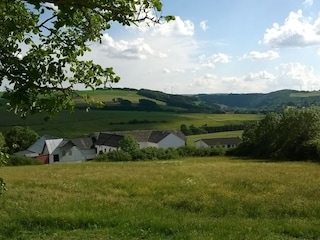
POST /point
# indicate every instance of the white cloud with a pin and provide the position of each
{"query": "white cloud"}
(166, 70)
(297, 31)
(211, 61)
(255, 55)
(261, 75)
(204, 25)
(210, 83)
(178, 27)
(295, 75)
(308, 2)
(134, 49)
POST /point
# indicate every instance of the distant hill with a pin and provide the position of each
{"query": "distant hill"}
(150, 100)
(273, 101)
(212, 103)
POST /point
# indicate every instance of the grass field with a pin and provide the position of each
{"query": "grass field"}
(206, 198)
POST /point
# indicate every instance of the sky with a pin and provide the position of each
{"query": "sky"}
(218, 46)
(221, 46)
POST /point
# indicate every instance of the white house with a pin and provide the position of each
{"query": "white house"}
(229, 142)
(60, 150)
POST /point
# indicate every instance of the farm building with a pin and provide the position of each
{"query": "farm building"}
(48, 149)
(107, 142)
(229, 142)
(146, 138)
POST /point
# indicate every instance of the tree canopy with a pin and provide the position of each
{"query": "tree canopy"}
(294, 135)
(19, 138)
(42, 42)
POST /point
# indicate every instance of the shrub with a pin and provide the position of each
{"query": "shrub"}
(15, 160)
(218, 151)
(185, 151)
(101, 158)
(172, 153)
(118, 156)
(150, 153)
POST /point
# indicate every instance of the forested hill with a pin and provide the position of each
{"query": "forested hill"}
(274, 101)
(259, 101)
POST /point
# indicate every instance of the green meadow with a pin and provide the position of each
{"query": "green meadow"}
(194, 198)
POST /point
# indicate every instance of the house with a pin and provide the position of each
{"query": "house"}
(107, 142)
(48, 149)
(146, 138)
(60, 150)
(228, 142)
(35, 150)
(86, 146)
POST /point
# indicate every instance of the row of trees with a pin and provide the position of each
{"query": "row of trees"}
(293, 134)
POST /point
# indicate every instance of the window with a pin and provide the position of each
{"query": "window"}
(56, 157)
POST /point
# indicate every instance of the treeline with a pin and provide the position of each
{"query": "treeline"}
(293, 135)
(193, 130)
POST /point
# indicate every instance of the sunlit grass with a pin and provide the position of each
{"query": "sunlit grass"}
(200, 198)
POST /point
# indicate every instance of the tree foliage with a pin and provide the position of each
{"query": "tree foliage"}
(42, 42)
(129, 144)
(294, 134)
(20, 138)
(3, 158)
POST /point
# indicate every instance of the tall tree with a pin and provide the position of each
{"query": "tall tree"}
(42, 41)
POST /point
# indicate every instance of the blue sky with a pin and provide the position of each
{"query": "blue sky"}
(218, 46)
(225, 46)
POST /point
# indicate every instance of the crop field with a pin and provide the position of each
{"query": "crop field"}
(81, 123)
(194, 198)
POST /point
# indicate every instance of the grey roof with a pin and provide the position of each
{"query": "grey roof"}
(109, 139)
(221, 141)
(65, 142)
(37, 147)
(153, 136)
(83, 143)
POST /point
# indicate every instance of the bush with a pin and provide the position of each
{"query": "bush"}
(15, 160)
(119, 156)
(101, 158)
